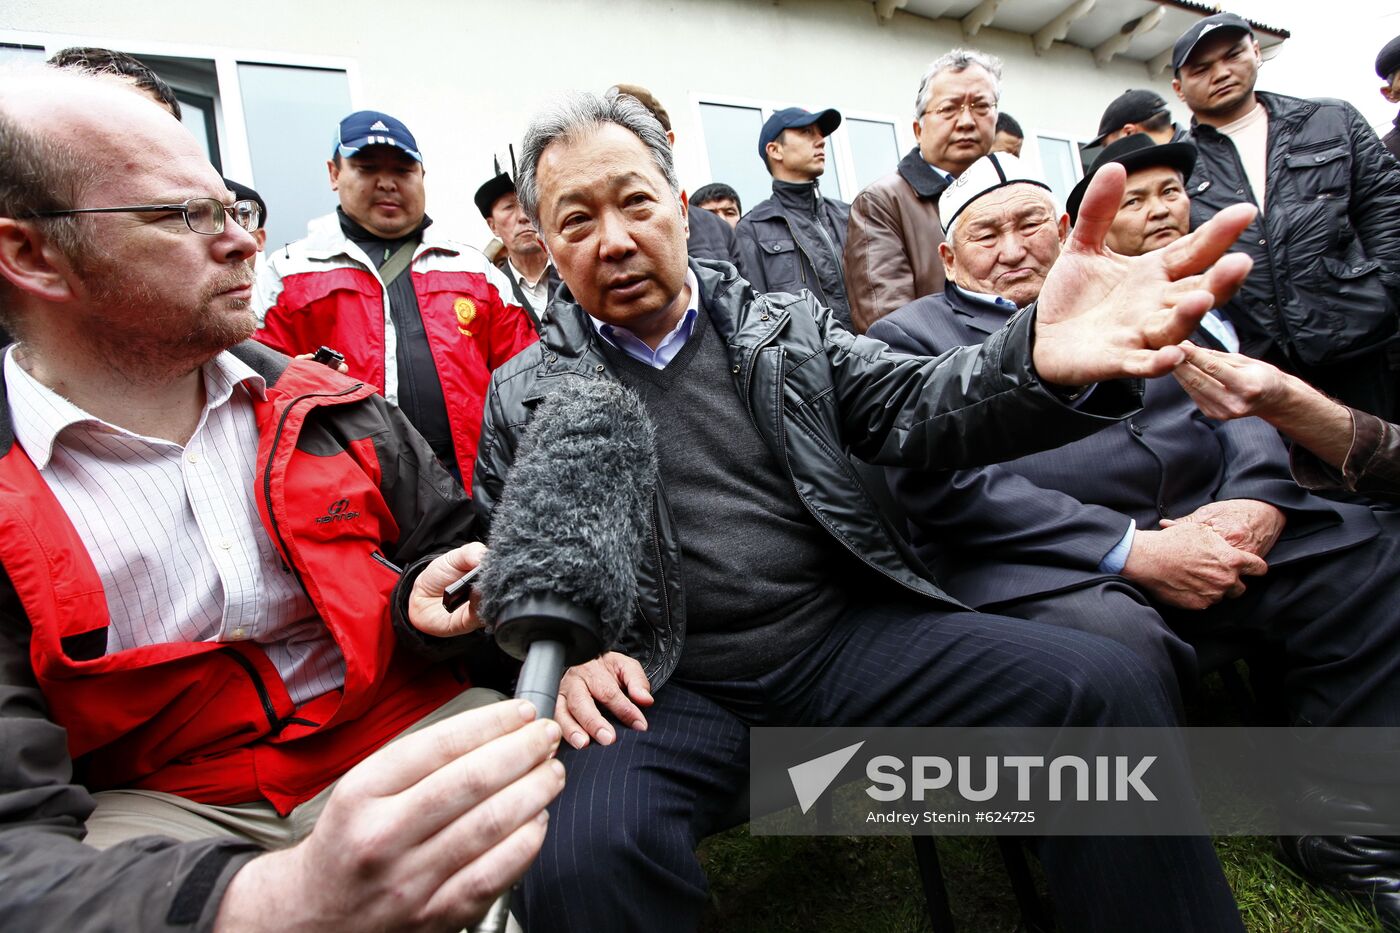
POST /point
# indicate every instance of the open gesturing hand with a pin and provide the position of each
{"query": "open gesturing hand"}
(1105, 316)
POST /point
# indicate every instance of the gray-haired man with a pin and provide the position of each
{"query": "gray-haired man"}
(892, 244)
(798, 607)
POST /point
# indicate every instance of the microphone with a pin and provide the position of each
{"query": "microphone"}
(559, 581)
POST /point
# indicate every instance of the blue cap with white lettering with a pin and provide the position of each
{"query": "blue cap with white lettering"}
(372, 128)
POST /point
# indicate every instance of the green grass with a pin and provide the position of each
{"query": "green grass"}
(787, 884)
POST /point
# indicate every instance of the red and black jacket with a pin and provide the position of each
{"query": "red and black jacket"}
(213, 721)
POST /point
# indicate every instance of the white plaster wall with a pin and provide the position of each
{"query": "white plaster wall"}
(465, 74)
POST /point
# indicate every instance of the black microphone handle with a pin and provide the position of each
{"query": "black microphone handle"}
(540, 674)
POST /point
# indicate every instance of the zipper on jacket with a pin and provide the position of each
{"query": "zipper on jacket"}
(821, 228)
(267, 476)
(758, 348)
(1279, 314)
(816, 279)
(660, 564)
(264, 697)
(816, 516)
(379, 558)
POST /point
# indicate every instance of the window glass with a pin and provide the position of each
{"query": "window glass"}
(874, 150)
(197, 113)
(731, 138)
(11, 54)
(1057, 158)
(291, 115)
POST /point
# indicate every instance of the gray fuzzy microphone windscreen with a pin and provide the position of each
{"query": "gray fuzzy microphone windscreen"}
(576, 506)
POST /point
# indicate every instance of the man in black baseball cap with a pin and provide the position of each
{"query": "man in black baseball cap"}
(1323, 299)
(1388, 69)
(795, 118)
(1137, 111)
(1221, 24)
(796, 239)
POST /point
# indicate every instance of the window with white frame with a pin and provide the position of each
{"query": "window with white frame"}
(731, 140)
(16, 53)
(264, 119)
(1059, 162)
(865, 147)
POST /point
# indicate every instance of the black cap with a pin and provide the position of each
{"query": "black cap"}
(794, 118)
(1202, 28)
(1134, 152)
(1388, 62)
(491, 192)
(1133, 106)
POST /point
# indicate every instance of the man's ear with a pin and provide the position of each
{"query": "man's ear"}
(774, 151)
(1064, 228)
(334, 171)
(918, 129)
(1176, 86)
(685, 212)
(950, 264)
(1391, 92)
(32, 264)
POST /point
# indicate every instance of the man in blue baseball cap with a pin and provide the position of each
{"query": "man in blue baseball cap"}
(795, 239)
(420, 314)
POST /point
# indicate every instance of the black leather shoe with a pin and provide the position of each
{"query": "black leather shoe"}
(1364, 866)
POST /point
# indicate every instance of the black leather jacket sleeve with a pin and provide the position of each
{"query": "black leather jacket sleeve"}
(967, 407)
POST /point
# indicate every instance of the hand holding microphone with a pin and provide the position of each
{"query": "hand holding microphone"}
(559, 584)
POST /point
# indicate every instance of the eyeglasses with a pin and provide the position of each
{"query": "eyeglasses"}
(202, 215)
(951, 111)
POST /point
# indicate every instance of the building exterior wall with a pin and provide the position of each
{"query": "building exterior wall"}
(465, 75)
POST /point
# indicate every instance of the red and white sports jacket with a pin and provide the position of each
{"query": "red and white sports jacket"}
(324, 290)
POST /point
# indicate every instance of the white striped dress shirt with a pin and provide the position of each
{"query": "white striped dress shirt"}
(174, 531)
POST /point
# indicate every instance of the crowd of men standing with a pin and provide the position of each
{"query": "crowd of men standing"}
(946, 455)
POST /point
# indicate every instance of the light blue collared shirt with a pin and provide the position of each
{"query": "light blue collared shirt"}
(670, 345)
(1003, 303)
(946, 176)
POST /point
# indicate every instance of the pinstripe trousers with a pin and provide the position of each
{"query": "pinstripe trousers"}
(620, 853)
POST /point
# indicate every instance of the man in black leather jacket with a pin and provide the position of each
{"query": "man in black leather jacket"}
(771, 591)
(1323, 300)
